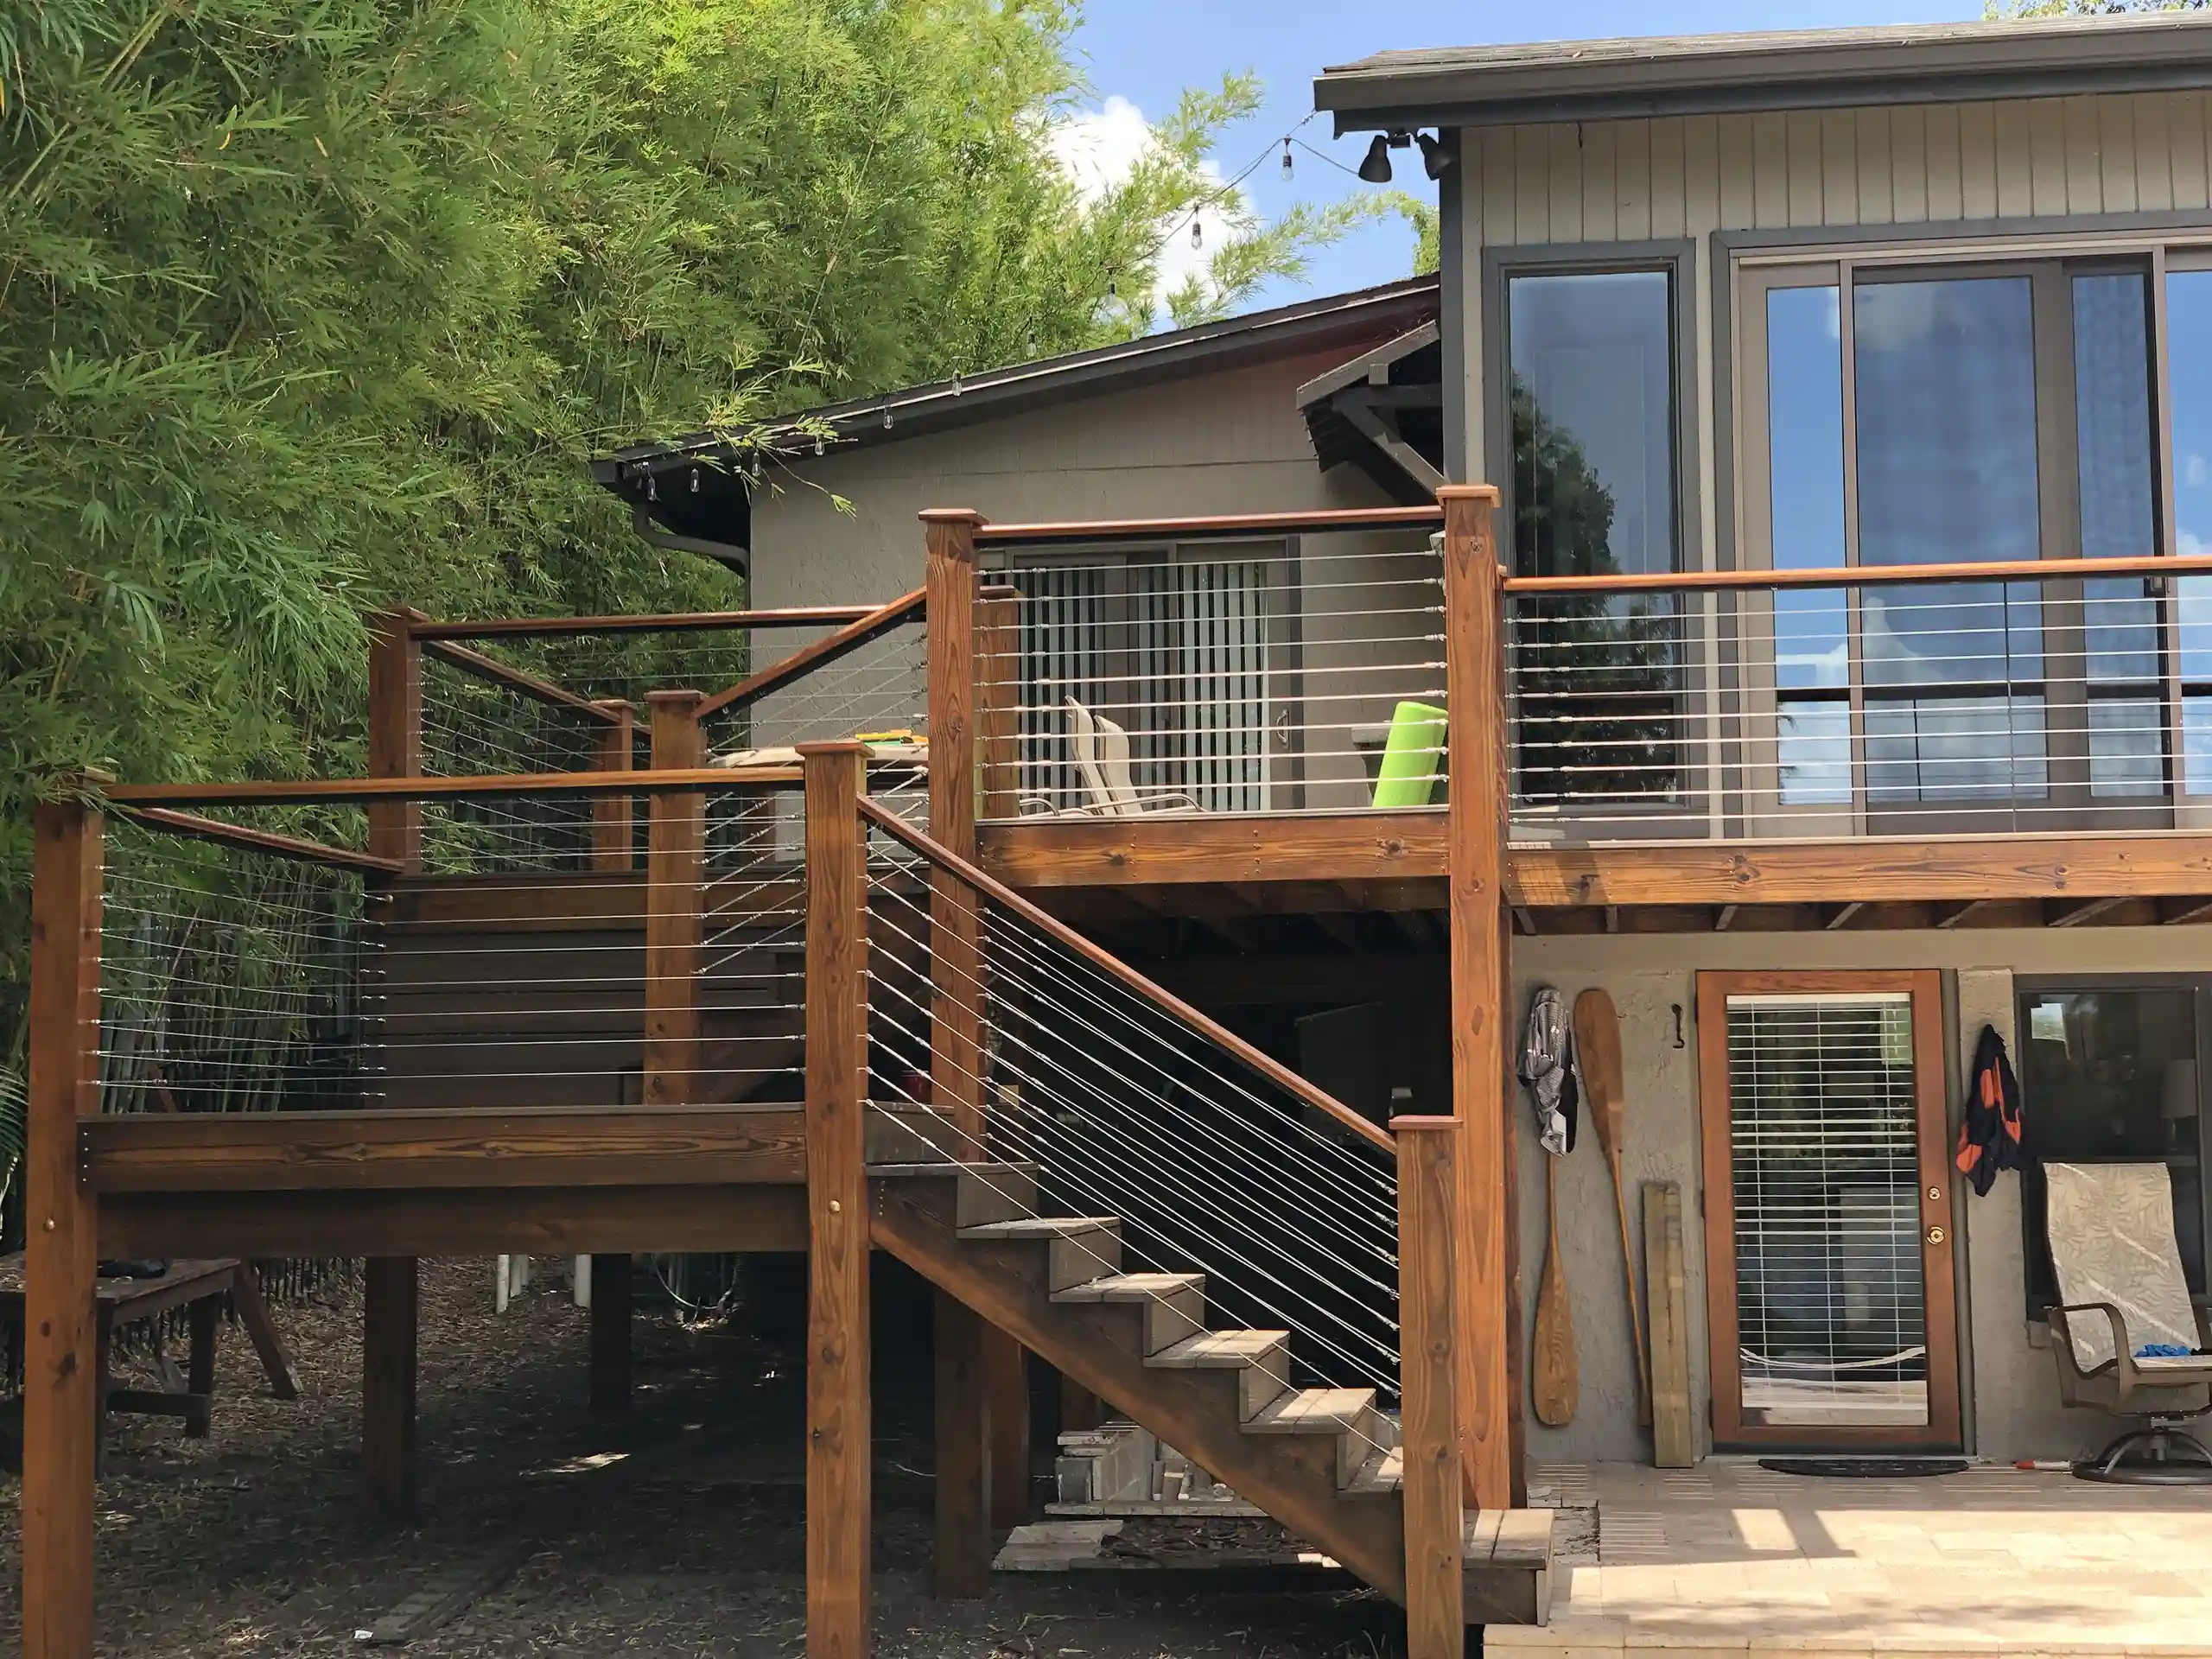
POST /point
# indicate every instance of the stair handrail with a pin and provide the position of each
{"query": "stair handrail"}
(819, 654)
(1215, 1032)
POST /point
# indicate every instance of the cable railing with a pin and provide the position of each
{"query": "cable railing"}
(1127, 1102)
(1210, 668)
(245, 970)
(1909, 701)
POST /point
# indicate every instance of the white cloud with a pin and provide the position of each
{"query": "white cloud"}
(1099, 148)
(2194, 472)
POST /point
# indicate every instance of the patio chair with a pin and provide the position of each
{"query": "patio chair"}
(2121, 1291)
(1102, 757)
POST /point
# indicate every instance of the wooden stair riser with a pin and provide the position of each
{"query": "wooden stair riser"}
(1170, 1314)
(1199, 1411)
(988, 1193)
(1260, 1381)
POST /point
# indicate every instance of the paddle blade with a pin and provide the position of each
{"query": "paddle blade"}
(1597, 1056)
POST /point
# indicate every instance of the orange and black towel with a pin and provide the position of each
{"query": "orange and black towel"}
(1990, 1138)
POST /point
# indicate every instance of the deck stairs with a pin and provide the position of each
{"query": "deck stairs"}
(1323, 1461)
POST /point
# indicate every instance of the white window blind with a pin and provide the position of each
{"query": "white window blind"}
(1824, 1153)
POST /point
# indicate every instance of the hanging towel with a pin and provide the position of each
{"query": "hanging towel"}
(1990, 1137)
(1547, 1071)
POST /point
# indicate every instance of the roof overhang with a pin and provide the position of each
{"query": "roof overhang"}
(1579, 80)
(693, 491)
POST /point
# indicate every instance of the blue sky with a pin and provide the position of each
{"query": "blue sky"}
(1147, 51)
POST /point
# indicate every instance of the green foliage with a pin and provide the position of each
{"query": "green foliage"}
(2000, 10)
(306, 308)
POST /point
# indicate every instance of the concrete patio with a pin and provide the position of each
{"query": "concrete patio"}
(1731, 1559)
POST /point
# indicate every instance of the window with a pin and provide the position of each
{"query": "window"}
(1592, 402)
(2110, 1073)
(1956, 415)
(2189, 342)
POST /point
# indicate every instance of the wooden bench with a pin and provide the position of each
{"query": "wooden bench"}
(197, 1286)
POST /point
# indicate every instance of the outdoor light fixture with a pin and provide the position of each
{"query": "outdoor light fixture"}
(1435, 157)
(1376, 168)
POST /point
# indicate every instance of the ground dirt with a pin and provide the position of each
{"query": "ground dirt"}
(677, 1529)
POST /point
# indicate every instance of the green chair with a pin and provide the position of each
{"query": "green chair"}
(1413, 757)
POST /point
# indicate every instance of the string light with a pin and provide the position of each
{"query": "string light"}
(1286, 169)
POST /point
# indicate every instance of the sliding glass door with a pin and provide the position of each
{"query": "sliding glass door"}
(1958, 415)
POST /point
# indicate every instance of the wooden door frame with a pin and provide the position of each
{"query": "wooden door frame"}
(1942, 1431)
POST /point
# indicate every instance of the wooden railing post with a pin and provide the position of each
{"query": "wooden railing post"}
(1489, 1298)
(838, 1448)
(61, 1361)
(395, 732)
(1428, 1364)
(676, 836)
(613, 833)
(956, 984)
(998, 672)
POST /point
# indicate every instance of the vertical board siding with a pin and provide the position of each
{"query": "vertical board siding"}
(1674, 175)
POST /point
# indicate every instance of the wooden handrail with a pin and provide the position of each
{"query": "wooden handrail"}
(295, 791)
(1215, 528)
(797, 616)
(264, 841)
(855, 634)
(1273, 1069)
(1862, 575)
(515, 679)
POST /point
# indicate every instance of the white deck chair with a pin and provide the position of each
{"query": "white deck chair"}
(1101, 758)
(2122, 1288)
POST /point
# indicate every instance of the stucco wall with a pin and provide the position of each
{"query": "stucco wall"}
(2013, 1409)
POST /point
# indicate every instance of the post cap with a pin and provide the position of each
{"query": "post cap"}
(675, 697)
(1423, 1125)
(1467, 492)
(831, 746)
(951, 516)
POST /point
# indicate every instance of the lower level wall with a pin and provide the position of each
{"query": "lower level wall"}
(2009, 1376)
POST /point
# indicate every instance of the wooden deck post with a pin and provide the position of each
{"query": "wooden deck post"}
(390, 1297)
(1481, 993)
(61, 1405)
(957, 1023)
(1436, 1624)
(610, 1332)
(675, 838)
(613, 838)
(395, 732)
(838, 1445)
(998, 700)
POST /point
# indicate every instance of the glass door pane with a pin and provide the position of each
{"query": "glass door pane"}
(1947, 457)
(1824, 1140)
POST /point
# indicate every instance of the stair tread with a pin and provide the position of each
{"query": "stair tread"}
(1221, 1348)
(1313, 1411)
(1381, 1476)
(1044, 1227)
(940, 1167)
(1131, 1287)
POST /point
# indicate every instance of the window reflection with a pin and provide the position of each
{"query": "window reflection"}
(1805, 464)
(2189, 348)
(1592, 409)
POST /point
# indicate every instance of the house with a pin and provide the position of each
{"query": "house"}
(1783, 518)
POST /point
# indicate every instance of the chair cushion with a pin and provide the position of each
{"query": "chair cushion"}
(2111, 1228)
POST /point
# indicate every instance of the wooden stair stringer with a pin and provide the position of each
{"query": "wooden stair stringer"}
(1292, 1478)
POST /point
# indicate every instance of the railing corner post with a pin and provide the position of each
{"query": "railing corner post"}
(1474, 766)
(1428, 1382)
(675, 854)
(61, 1357)
(838, 1441)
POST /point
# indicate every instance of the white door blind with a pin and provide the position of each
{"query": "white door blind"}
(1198, 638)
(1824, 1153)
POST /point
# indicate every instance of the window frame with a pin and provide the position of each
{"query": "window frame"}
(1699, 810)
(1747, 267)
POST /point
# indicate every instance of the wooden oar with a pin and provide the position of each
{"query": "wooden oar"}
(1597, 1056)
(1555, 1379)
